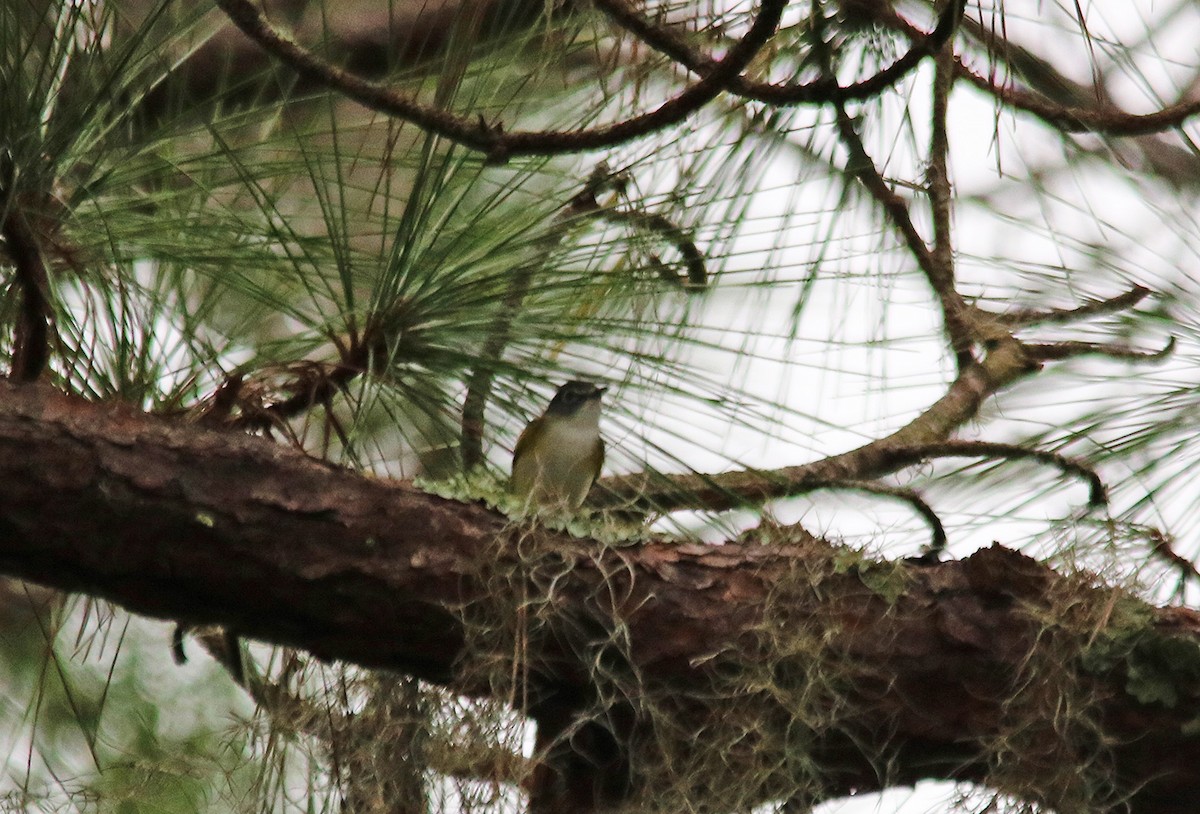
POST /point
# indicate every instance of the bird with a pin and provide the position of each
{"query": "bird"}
(559, 454)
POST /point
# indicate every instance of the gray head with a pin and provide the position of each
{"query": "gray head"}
(572, 396)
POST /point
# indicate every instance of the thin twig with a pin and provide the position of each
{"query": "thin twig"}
(888, 455)
(1163, 546)
(939, 191)
(907, 456)
(1108, 121)
(327, 723)
(1053, 351)
(825, 89)
(311, 384)
(218, 408)
(1007, 360)
(1024, 317)
(1074, 117)
(958, 327)
(482, 376)
(493, 140)
(262, 406)
(224, 648)
(697, 273)
(937, 540)
(938, 173)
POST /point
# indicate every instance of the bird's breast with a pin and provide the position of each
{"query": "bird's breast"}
(559, 469)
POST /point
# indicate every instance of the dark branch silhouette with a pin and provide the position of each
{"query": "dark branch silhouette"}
(495, 140)
(31, 340)
(824, 90)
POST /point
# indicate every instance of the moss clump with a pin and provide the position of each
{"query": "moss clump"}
(1159, 667)
(610, 528)
(1162, 669)
(886, 579)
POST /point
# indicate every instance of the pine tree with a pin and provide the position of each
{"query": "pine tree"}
(895, 310)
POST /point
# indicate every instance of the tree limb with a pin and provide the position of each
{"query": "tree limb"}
(931, 665)
(825, 89)
(1024, 317)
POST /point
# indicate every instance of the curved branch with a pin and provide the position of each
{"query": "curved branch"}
(668, 41)
(937, 539)
(1097, 494)
(1003, 365)
(1007, 360)
(693, 258)
(1163, 546)
(1068, 118)
(883, 457)
(492, 140)
(1025, 317)
(1107, 120)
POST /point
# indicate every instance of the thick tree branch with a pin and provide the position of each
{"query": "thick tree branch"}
(174, 520)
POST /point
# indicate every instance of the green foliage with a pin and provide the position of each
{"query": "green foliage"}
(1158, 666)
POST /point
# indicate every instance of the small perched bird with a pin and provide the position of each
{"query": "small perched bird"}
(559, 455)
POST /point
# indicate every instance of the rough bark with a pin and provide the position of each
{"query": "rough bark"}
(955, 670)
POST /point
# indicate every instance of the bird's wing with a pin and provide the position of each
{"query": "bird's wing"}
(600, 456)
(524, 472)
(524, 439)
